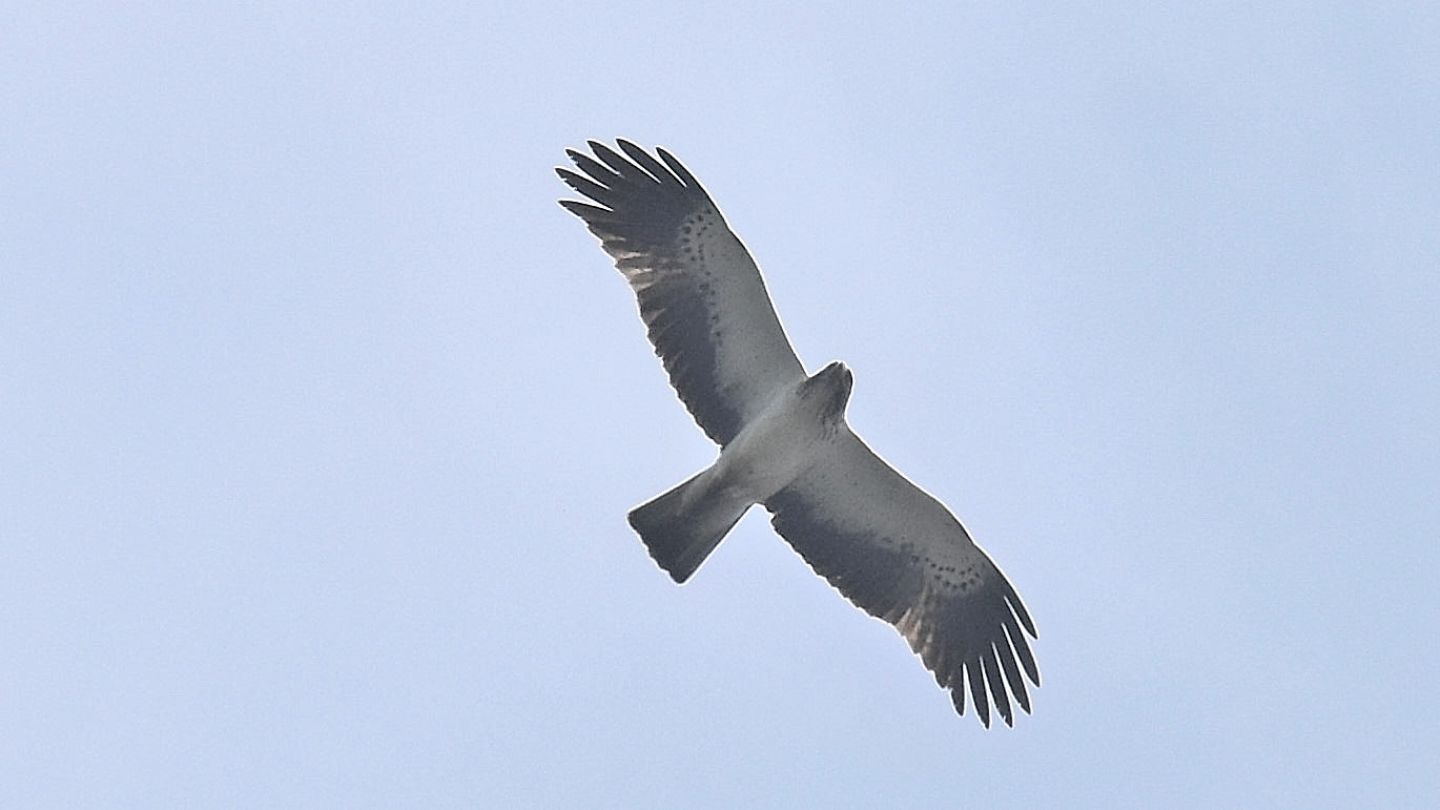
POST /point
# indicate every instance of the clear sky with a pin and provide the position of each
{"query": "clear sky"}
(319, 420)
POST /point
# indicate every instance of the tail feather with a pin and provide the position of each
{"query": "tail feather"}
(682, 527)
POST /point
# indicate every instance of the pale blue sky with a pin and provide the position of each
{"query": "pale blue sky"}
(319, 420)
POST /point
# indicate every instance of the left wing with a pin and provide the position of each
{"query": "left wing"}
(898, 554)
(700, 293)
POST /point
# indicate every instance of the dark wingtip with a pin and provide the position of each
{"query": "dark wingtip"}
(977, 689)
(998, 696)
(677, 167)
(1024, 616)
(599, 148)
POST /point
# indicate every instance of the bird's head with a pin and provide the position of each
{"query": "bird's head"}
(831, 385)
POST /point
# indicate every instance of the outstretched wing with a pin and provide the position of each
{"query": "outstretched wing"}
(700, 293)
(899, 554)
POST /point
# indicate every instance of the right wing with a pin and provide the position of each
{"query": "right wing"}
(701, 295)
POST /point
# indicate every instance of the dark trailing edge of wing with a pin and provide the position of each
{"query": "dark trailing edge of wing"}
(643, 204)
(970, 637)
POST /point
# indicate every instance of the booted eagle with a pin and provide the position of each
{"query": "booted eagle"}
(889, 547)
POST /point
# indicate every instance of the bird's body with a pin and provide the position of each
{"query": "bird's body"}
(888, 546)
(787, 436)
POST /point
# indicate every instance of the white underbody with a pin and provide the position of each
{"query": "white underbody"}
(781, 442)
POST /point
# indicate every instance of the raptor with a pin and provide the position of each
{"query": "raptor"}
(884, 543)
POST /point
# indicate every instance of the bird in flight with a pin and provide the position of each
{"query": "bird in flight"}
(887, 545)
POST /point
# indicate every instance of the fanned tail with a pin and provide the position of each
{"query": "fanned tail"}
(682, 527)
